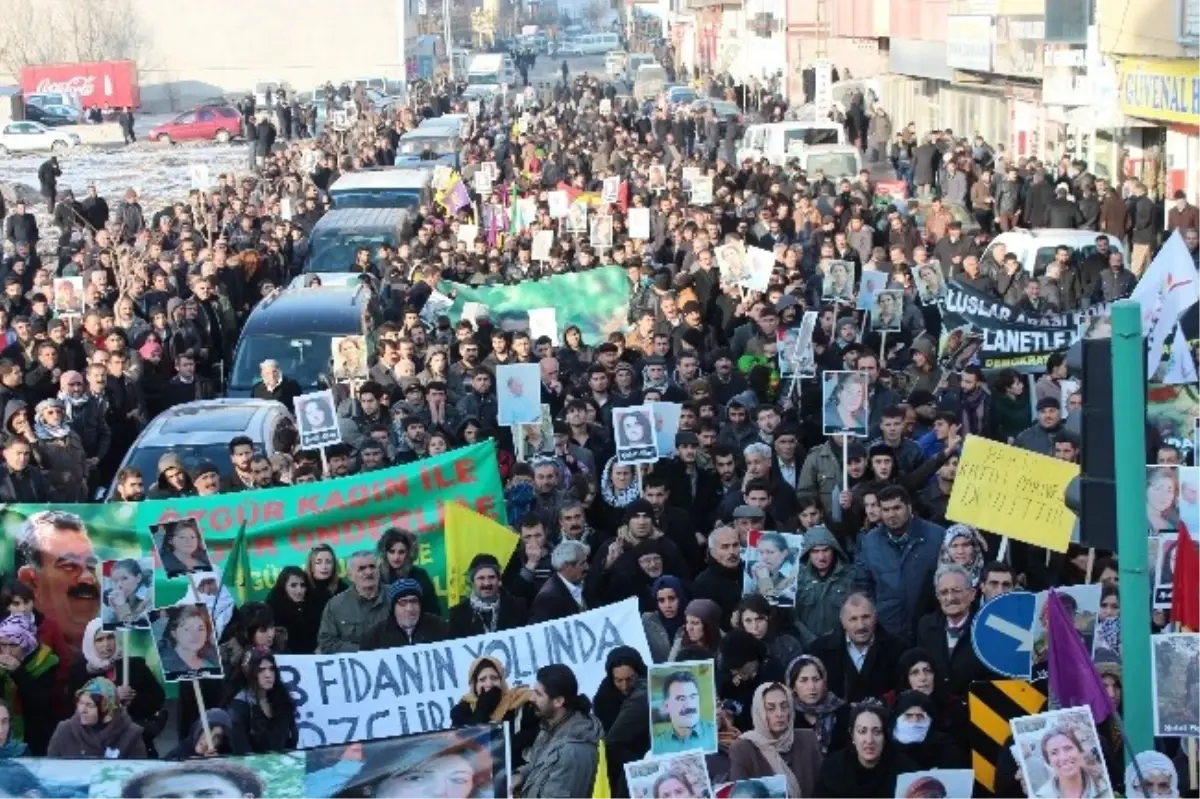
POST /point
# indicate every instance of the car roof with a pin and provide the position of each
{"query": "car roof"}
(355, 219)
(1053, 236)
(831, 149)
(383, 179)
(429, 133)
(319, 309)
(209, 422)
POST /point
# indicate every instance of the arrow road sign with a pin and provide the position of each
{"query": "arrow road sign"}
(1001, 634)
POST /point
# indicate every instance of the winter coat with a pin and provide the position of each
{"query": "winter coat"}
(722, 585)
(1113, 214)
(150, 697)
(465, 622)
(29, 486)
(819, 598)
(1010, 415)
(746, 760)
(64, 464)
(87, 419)
(821, 474)
(899, 578)
(73, 740)
(386, 634)
(842, 775)
(255, 731)
(563, 761)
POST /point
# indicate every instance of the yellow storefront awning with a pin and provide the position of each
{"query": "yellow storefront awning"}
(1161, 89)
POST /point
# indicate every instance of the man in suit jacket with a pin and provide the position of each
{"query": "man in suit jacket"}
(946, 633)
(562, 595)
(860, 659)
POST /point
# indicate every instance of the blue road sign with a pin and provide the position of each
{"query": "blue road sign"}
(1001, 634)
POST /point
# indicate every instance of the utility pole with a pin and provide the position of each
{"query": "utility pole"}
(449, 40)
(1129, 449)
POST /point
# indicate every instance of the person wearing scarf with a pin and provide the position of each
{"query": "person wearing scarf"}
(661, 629)
(28, 678)
(774, 745)
(490, 700)
(622, 704)
(1162, 780)
(917, 734)
(618, 573)
(615, 494)
(817, 708)
(141, 695)
(488, 608)
(971, 557)
(52, 427)
(59, 450)
(100, 728)
(397, 549)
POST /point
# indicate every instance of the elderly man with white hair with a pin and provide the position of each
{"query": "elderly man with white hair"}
(275, 385)
(762, 471)
(562, 595)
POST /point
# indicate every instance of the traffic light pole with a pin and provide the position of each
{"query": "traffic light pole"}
(1129, 443)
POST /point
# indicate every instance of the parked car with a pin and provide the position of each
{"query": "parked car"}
(219, 123)
(34, 137)
(726, 112)
(200, 431)
(52, 116)
(1035, 248)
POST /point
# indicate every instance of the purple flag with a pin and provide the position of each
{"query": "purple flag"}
(1073, 677)
(459, 198)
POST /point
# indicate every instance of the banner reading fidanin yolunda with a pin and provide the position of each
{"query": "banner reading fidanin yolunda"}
(363, 695)
(1011, 491)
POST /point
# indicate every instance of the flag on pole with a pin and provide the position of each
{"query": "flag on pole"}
(515, 222)
(1185, 598)
(1181, 369)
(1074, 680)
(1165, 291)
(235, 574)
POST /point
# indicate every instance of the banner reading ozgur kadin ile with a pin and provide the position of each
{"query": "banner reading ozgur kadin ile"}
(362, 695)
(413, 766)
(979, 328)
(282, 525)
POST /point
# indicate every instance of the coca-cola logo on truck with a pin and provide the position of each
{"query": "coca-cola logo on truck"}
(83, 85)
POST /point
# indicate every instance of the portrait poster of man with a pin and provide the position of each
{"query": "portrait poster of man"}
(180, 547)
(543, 241)
(577, 218)
(638, 220)
(772, 565)
(1060, 753)
(656, 178)
(633, 430)
(837, 281)
(611, 189)
(464, 762)
(316, 420)
(941, 782)
(55, 557)
(731, 260)
(1176, 682)
(127, 589)
(186, 642)
(349, 357)
(601, 235)
(689, 177)
(519, 394)
(760, 264)
(931, 283)
(558, 204)
(845, 403)
(702, 190)
(887, 310)
(683, 707)
(666, 425)
(672, 777)
(68, 296)
(870, 284)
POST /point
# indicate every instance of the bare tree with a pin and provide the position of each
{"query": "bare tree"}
(47, 31)
(594, 13)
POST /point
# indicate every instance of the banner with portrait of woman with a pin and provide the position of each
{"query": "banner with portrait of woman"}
(633, 430)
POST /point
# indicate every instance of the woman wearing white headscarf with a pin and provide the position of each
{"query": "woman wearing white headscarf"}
(60, 452)
(775, 746)
(964, 546)
(1159, 772)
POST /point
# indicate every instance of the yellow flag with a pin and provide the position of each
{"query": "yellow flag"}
(469, 534)
(601, 789)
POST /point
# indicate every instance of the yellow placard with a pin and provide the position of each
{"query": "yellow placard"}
(1013, 492)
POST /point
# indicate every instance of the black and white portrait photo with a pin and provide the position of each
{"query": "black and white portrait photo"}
(316, 419)
(633, 430)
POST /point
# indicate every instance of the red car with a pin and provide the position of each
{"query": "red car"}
(206, 122)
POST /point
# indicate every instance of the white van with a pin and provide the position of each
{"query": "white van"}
(636, 61)
(779, 141)
(614, 64)
(596, 43)
(834, 161)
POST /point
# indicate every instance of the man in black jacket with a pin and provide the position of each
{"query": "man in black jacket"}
(860, 659)
(562, 594)
(48, 174)
(95, 209)
(21, 225)
(1143, 228)
(722, 580)
(946, 633)
(274, 386)
(488, 608)
(20, 481)
(1037, 201)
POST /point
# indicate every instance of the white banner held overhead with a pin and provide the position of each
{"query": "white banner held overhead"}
(358, 696)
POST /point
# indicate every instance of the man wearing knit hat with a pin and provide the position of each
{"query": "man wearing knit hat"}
(407, 624)
(488, 608)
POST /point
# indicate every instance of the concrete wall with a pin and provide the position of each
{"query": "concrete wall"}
(192, 52)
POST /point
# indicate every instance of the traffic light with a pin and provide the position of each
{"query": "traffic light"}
(1093, 494)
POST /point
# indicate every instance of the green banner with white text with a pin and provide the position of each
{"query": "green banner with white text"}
(56, 550)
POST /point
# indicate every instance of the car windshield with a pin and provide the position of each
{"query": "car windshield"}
(807, 137)
(337, 254)
(304, 358)
(417, 145)
(145, 459)
(834, 165)
(483, 78)
(376, 198)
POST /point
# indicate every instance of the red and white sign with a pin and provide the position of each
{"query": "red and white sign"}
(98, 83)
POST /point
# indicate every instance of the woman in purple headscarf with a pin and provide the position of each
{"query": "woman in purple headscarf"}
(28, 683)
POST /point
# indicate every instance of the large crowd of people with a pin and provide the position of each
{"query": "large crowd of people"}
(862, 678)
